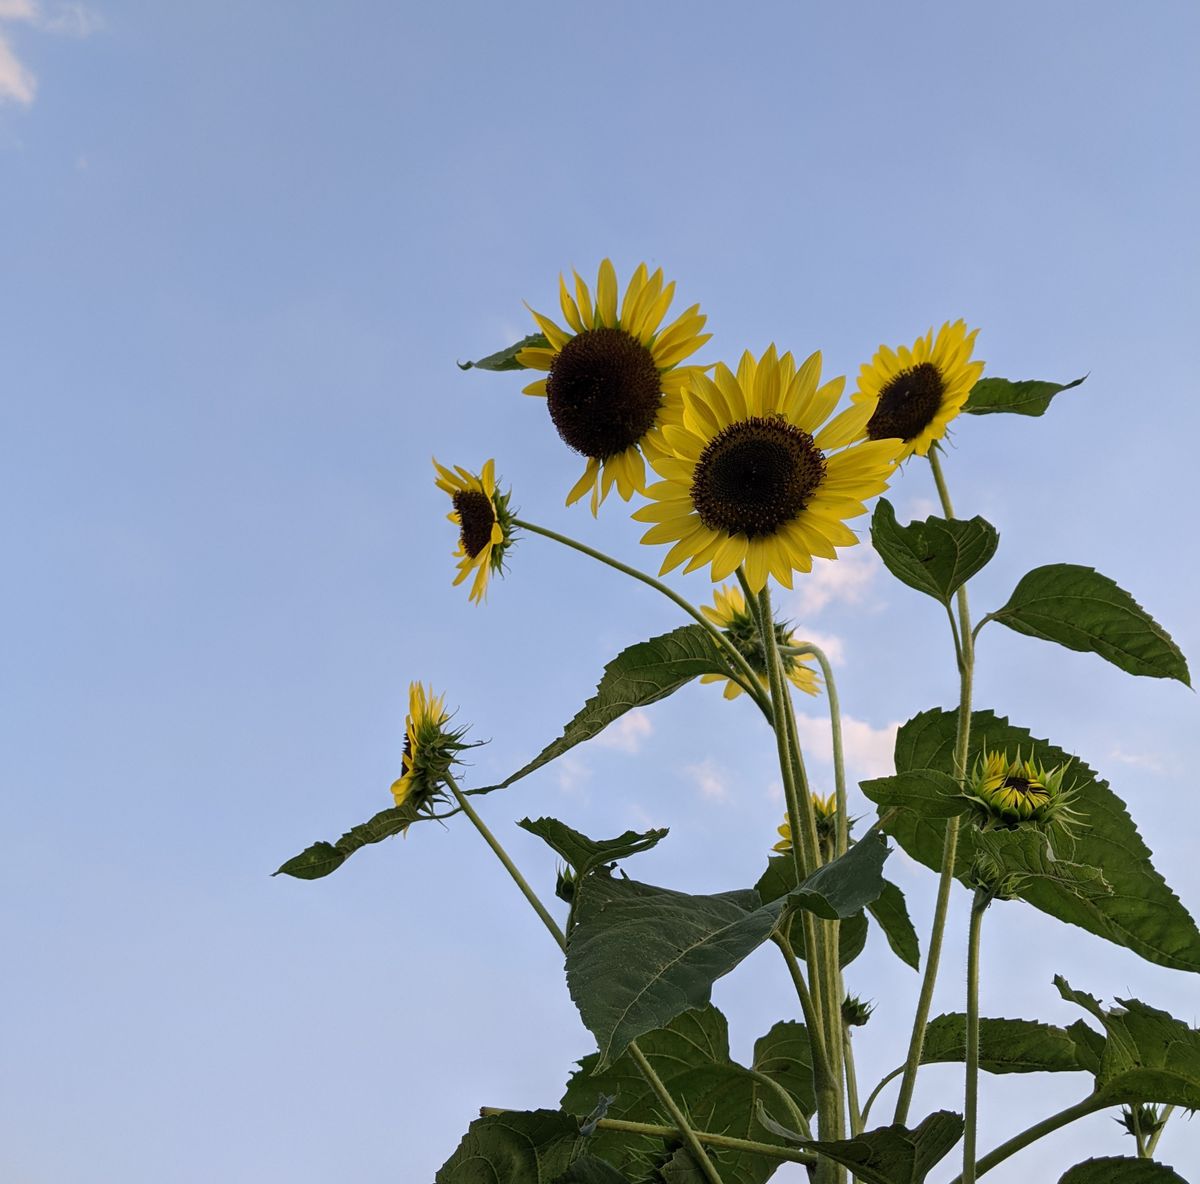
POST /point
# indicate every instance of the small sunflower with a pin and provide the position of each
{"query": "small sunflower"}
(825, 811)
(484, 521)
(430, 748)
(1009, 792)
(612, 374)
(914, 393)
(753, 474)
(731, 615)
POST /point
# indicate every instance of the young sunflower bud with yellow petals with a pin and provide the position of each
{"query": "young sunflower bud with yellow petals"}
(1010, 792)
(431, 747)
(484, 521)
(825, 813)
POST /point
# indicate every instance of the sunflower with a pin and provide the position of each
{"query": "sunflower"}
(430, 748)
(825, 812)
(1008, 792)
(731, 615)
(914, 393)
(484, 521)
(612, 374)
(751, 476)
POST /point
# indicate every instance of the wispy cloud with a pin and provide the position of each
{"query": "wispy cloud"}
(1140, 760)
(710, 779)
(846, 580)
(869, 750)
(17, 82)
(628, 733)
(831, 643)
(573, 774)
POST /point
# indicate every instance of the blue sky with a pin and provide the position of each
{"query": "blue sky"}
(243, 246)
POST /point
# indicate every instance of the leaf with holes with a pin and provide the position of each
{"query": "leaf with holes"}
(506, 359)
(1028, 397)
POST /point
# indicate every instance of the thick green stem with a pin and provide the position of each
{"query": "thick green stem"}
(748, 680)
(698, 1153)
(971, 1099)
(1089, 1105)
(856, 1117)
(822, 1074)
(1152, 1142)
(669, 1132)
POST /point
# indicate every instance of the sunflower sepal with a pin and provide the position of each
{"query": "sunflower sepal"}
(509, 357)
(990, 396)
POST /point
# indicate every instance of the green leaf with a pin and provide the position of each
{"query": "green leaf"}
(1005, 1046)
(845, 885)
(1149, 1056)
(584, 854)
(892, 1154)
(936, 556)
(891, 913)
(1028, 397)
(636, 677)
(1141, 913)
(322, 858)
(591, 1170)
(519, 1147)
(1083, 610)
(777, 881)
(506, 359)
(1116, 1169)
(691, 1056)
(927, 792)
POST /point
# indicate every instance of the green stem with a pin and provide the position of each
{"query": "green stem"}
(795, 1114)
(822, 1076)
(971, 1101)
(878, 1090)
(669, 1132)
(856, 1115)
(698, 1153)
(1089, 1105)
(1152, 1142)
(749, 680)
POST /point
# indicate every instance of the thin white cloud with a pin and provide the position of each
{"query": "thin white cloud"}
(1140, 760)
(573, 774)
(18, 83)
(869, 750)
(709, 779)
(921, 507)
(71, 20)
(628, 733)
(829, 642)
(846, 580)
(18, 10)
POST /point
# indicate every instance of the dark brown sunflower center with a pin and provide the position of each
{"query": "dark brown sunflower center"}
(477, 515)
(907, 404)
(756, 476)
(603, 391)
(1025, 787)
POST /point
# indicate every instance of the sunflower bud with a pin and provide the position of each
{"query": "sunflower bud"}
(431, 747)
(825, 813)
(564, 884)
(986, 876)
(1142, 1120)
(855, 1012)
(1008, 793)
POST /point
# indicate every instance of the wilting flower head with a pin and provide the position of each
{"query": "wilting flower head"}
(825, 811)
(612, 373)
(484, 521)
(430, 748)
(754, 474)
(913, 394)
(731, 614)
(1012, 792)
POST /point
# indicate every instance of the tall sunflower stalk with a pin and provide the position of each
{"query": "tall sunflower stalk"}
(753, 471)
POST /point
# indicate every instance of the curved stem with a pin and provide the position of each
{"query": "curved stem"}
(879, 1089)
(1089, 1105)
(749, 680)
(795, 1114)
(971, 1101)
(698, 1153)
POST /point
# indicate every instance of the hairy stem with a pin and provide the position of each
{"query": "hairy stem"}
(1152, 1142)
(971, 1099)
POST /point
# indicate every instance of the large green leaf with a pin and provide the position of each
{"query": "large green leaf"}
(591, 1170)
(777, 881)
(506, 359)
(638, 955)
(928, 792)
(1116, 1169)
(636, 677)
(936, 556)
(322, 858)
(1141, 912)
(1005, 1046)
(891, 914)
(584, 854)
(1083, 610)
(691, 1056)
(1149, 1056)
(519, 1147)
(1028, 397)
(889, 1154)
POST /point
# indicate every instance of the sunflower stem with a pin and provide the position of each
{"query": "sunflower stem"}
(856, 1116)
(653, 1080)
(965, 654)
(971, 1098)
(1152, 1142)
(749, 680)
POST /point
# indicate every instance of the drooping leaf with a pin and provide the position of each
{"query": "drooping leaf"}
(584, 854)
(777, 881)
(322, 858)
(891, 913)
(1005, 1046)
(518, 1147)
(1141, 912)
(845, 885)
(927, 792)
(890, 1154)
(1083, 610)
(1027, 397)
(640, 675)
(592, 1170)
(1117, 1169)
(691, 1057)
(506, 359)
(936, 556)
(1148, 1056)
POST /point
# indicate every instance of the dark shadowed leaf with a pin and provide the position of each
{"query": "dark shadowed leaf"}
(520, 1147)
(1114, 1169)
(891, 914)
(1083, 610)
(1027, 397)
(936, 556)
(506, 359)
(591, 1170)
(322, 858)
(777, 881)
(584, 854)
(927, 792)
(1005, 1046)
(847, 884)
